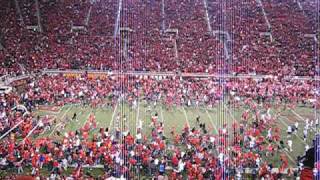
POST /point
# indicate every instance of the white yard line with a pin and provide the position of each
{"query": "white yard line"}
(54, 129)
(137, 116)
(35, 129)
(48, 122)
(211, 120)
(298, 115)
(113, 114)
(87, 118)
(60, 109)
(163, 14)
(6, 133)
(162, 118)
(161, 112)
(285, 124)
(289, 156)
(185, 115)
(230, 113)
(50, 112)
(32, 131)
(205, 4)
(60, 123)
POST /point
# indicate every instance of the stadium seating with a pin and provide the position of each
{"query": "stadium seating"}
(61, 47)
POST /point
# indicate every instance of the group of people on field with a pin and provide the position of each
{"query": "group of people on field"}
(198, 151)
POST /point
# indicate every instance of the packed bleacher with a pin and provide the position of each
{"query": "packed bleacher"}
(61, 46)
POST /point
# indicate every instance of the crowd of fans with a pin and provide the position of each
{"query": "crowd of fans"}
(289, 48)
(300, 49)
(147, 46)
(172, 90)
(151, 36)
(196, 152)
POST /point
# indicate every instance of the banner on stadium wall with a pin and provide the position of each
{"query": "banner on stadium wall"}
(89, 75)
(72, 75)
(96, 76)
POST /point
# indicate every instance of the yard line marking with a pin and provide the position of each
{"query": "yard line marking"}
(60, 109)
(6, 133)
(185, 114)
(31, 131)
(289, 156)
(51, 112)
(46, 126)
(87, 118)
(161, 112)
(60, 123)
(230, 113)
(113, 114)
(162, 118)
(54, 129)
(211, 120)
(295, 113)
(137, 117)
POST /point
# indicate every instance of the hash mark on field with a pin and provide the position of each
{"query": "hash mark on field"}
(185, 115)
(54, 129)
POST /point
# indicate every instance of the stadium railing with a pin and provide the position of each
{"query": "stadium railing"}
(200, 75)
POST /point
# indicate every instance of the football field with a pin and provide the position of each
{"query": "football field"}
(176, 118)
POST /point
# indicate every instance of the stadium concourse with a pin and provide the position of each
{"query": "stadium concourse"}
(159, 89)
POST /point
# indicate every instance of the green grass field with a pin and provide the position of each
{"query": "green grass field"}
(177, 118)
